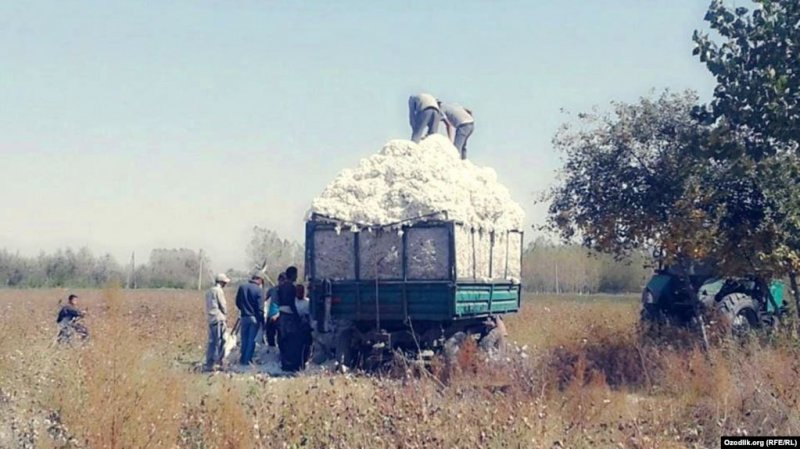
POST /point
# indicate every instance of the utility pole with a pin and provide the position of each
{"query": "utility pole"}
(200, 272)
(558, 289)
(132, 271)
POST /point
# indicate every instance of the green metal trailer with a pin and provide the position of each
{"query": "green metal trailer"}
(408, 286)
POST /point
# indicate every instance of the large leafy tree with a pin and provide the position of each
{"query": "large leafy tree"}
(720, 181)
(632, 180)
(757, 67)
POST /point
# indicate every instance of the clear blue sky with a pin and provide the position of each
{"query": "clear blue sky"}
(132, 125)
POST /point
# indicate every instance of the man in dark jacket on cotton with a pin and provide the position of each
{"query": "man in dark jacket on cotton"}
(250, 301)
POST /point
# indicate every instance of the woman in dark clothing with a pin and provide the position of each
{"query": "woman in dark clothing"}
(290, 327)
(302, 305)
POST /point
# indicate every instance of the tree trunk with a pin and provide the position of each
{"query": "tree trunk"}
(795, 292)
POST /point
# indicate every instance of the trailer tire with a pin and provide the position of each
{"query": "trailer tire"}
(345, 353)
(452, 346)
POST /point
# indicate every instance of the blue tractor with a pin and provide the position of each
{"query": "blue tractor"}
(687, 292)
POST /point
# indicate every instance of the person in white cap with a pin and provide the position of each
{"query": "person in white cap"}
(423, 113)
(217, 313)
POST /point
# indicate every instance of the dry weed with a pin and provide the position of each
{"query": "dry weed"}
(586, 380)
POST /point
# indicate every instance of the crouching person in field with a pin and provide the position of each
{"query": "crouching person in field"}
(217, 313)
(69, 321)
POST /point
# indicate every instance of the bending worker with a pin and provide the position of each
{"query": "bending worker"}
(459, 123)
(423, 113)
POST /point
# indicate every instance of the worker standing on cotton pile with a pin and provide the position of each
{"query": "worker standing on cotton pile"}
(217, 313)
(250, 301)
(459, 123)
(423, 113)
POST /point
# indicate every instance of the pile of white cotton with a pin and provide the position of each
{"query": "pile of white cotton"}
(408, 180)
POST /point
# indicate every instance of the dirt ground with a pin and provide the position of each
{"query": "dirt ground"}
(577, 374)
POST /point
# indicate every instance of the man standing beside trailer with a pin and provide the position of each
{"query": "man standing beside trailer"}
(217, 313)
(289, 325)
(423, 113)
(303, 306)
(459, 123)
(250, 301)
(273, 312)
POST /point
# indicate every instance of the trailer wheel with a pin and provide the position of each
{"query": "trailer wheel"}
(452, 346)
(741, 313)
(345, 354)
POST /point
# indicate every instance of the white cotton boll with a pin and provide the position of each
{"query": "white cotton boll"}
(407, 180)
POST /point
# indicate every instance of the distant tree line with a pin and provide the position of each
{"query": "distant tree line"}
(279, 253)
(166, 268)
(63, 268)
(173, 268)
(557, 268)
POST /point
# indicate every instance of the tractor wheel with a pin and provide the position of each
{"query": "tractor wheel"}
(651, 320)
(741, 313)
(650, 315)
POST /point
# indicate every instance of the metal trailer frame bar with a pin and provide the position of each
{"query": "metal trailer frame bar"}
(404, 269)
(491, 254)
(505, 272)
(451, 230)
(474, 256)
(357, 255)
(309, 261)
